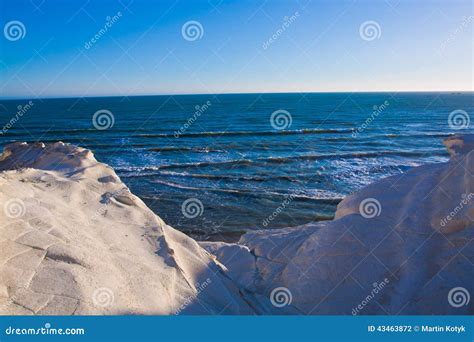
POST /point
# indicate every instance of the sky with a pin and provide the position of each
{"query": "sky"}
(142, 47)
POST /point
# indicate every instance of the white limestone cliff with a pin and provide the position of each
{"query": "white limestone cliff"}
(74, 240)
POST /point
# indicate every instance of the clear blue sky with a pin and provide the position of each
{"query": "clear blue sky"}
(423, 45)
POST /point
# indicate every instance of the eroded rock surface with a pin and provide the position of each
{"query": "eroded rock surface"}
(403, 245)
(74, 240)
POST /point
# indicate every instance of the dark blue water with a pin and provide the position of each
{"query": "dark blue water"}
(224, 151)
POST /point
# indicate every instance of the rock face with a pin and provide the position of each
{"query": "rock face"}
(74, 240)
(403, 245)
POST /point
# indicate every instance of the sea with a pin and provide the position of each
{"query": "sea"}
(215, 166)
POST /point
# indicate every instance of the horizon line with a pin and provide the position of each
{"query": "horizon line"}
(57, 97)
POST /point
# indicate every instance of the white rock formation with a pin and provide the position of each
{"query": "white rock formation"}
(403, 245)
(74, 240)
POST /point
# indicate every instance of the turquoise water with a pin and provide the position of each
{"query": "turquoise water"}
(224, 151)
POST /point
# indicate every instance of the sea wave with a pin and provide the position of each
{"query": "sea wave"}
(289, 159)
(186, 149)
(253, 178)
(246, 133)
(321, 196)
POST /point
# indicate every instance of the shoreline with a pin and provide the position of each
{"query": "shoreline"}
(235, 162)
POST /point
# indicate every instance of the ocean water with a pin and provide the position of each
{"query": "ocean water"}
(247, 169)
